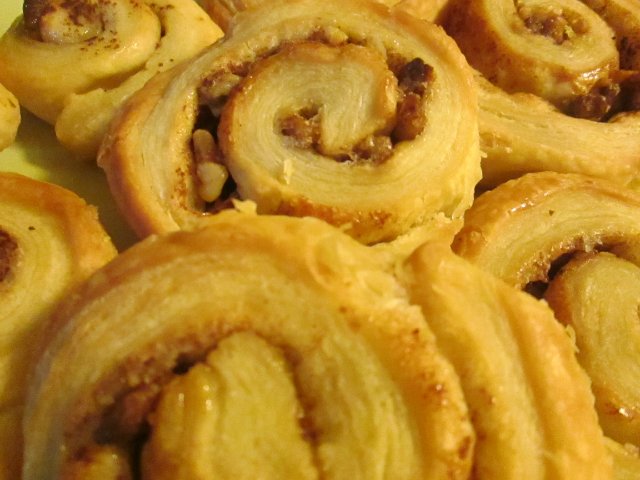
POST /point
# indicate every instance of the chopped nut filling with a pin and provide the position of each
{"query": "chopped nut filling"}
(301, 129)
(552, 23)
(596, 104)
(210, 172)
(413, 80)
(8, 252)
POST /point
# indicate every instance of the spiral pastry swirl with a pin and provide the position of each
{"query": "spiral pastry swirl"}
(72, 63)
(597, 295)
(262, 346)
(558, 85)
(525, 390)
(527, 230)
(50, 240)
(9, 117)
(306, 109)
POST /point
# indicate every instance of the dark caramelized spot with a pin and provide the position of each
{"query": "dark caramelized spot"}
(32, 12)
(413, 80)
(629, 48)
(79, 12)
(8, 253)
(597, 104)
(414, 76)
(610, 97)
(411, 118)
(629, 99)
(302, 127)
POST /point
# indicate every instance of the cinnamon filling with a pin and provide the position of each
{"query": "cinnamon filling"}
(8, 254)
(61, 21)
(538, 286)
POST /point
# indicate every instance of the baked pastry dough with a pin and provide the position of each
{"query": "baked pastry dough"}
(222, 11)
(525, 230)
(526, 392)
(522, 133)
(73, 63)
(341, 110)
(257, 346)
(9, 117)
(50, 240)
(522, 228)
(556, 91)
(597, 295)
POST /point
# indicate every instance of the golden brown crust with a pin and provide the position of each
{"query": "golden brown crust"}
(525, 389)
(557, 85)
(304, 150)
(520, 228)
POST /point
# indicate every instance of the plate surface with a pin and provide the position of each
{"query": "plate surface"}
(37, 153)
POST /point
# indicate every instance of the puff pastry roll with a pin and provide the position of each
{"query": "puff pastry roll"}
(526, 392)
(526, 230)
(50, 240)
(556, 91)
(341, 110)
(72, 63)
(9, 117)
(257, 346)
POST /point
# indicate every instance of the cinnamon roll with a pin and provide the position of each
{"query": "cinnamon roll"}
(50, 241)
(526, 392)
(9, 117)
(575, 241)
(255, 346)
(72, 63)
(558, 85)
(341, 110)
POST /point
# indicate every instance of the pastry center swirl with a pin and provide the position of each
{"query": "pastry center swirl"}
(247, 395)
(345, 101)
